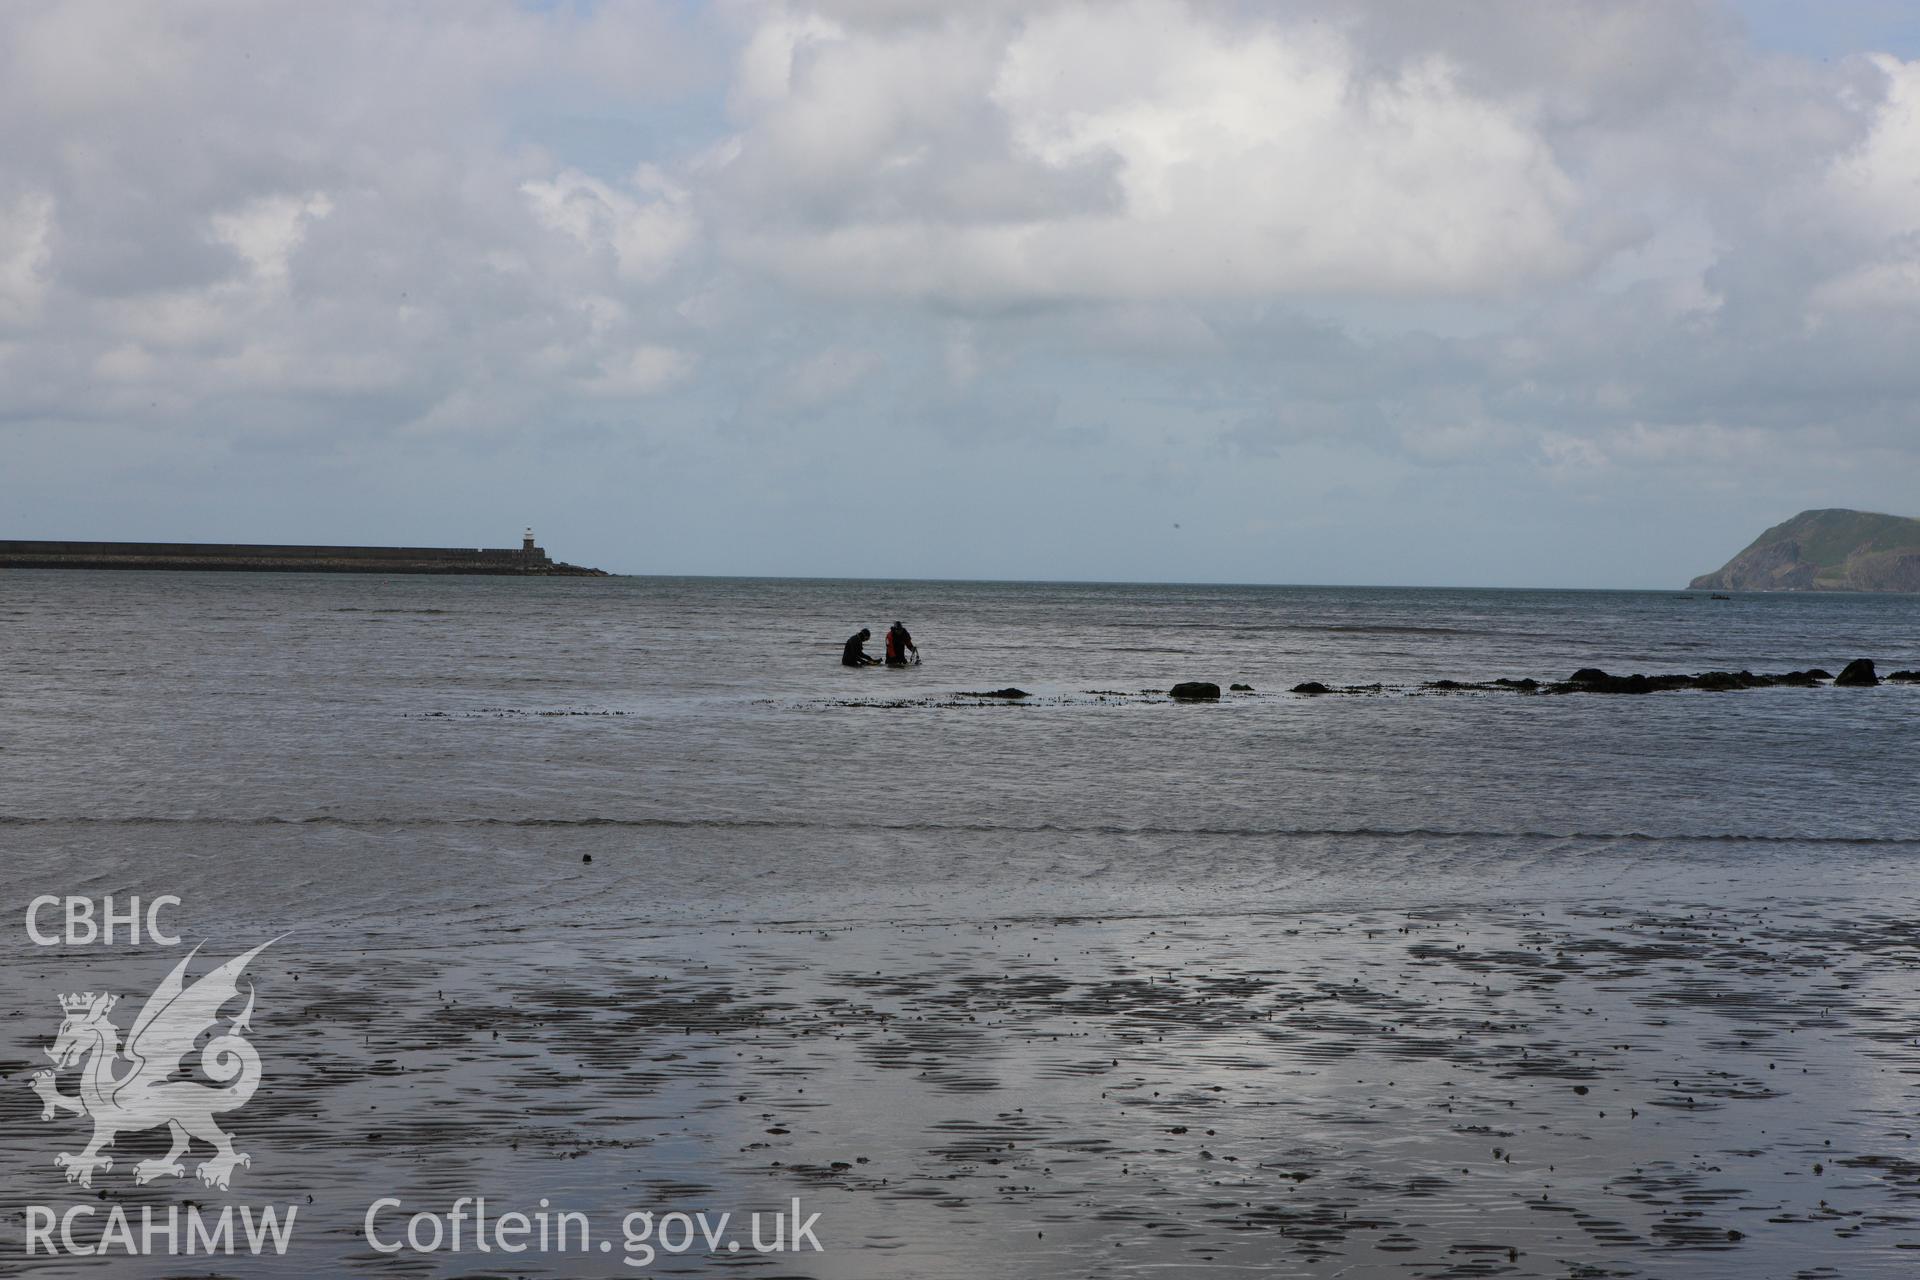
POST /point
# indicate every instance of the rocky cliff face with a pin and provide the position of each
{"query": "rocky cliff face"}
(1828, 550)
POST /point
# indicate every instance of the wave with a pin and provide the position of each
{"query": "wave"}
(964, 828)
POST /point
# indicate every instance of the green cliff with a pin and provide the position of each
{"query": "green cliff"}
(1830, 550)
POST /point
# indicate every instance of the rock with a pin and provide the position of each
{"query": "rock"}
(1594, 680)
(1311, 686)
(1195, 691)
(1819, 673)
(1800, 679)
(586, 857)
(1527, 683)
(1719, 681)
(1857, 673)
(1905, 677)
(1240, 688)
(1008, 692)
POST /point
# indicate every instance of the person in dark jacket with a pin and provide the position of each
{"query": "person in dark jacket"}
(898, 642)
(855, 654)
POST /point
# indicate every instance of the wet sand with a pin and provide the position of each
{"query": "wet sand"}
(1588, 1090)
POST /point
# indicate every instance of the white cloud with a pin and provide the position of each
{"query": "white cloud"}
(265, 231)
(1872, 195)
(26, 229)
(1875, 186)
(1189, 154)
(644, 227)
(642, 371)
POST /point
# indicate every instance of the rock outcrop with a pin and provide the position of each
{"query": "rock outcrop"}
(1828, 550)
(1195, 691)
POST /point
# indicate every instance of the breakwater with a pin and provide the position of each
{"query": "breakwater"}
(527, 559)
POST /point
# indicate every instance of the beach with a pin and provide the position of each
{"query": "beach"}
(624, 896)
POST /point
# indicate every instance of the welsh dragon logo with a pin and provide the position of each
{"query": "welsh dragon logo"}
(147, 1094)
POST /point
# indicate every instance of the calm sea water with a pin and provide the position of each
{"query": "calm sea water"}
(708, 747)
(407, 775)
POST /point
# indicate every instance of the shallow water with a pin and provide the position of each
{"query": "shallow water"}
(1021, 958)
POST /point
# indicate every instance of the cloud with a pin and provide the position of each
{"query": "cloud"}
(643, 228)
(25, 231)
(1433, 256)
(644, 370)
(825, 376)
(266, 230)
(1139, 150)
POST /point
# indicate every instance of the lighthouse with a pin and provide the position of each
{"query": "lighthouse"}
(532, 558)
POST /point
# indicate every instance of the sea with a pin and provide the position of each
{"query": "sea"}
(623, 897)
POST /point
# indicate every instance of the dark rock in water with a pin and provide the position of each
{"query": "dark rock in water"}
(1448, 684)
(1719, 681)
(1905, 677)
(1819, 673)
(1195, 691)
(586, 857)
(1800, 679)
(1311, 686)
(1857, 673)
(1008, 692)
(1594, 680)
(1719, 597)
(1240, 688)
(1527, 683)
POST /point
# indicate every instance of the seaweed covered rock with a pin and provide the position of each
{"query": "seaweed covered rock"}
(1594, 680)
(1857, 674)
(1195, 691)
(1311, 686)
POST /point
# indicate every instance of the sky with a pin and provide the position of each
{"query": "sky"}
(1505, 293)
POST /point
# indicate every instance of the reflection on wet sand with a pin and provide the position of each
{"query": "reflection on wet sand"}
(1591, 1091)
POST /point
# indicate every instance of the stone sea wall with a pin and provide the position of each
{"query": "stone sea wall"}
(30, 554)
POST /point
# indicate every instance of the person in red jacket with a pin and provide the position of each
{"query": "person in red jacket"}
(898, 642)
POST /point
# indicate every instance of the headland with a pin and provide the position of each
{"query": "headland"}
(1833, 549)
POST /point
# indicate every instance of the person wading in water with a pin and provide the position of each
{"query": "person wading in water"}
(898, 642)
(855, 654)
